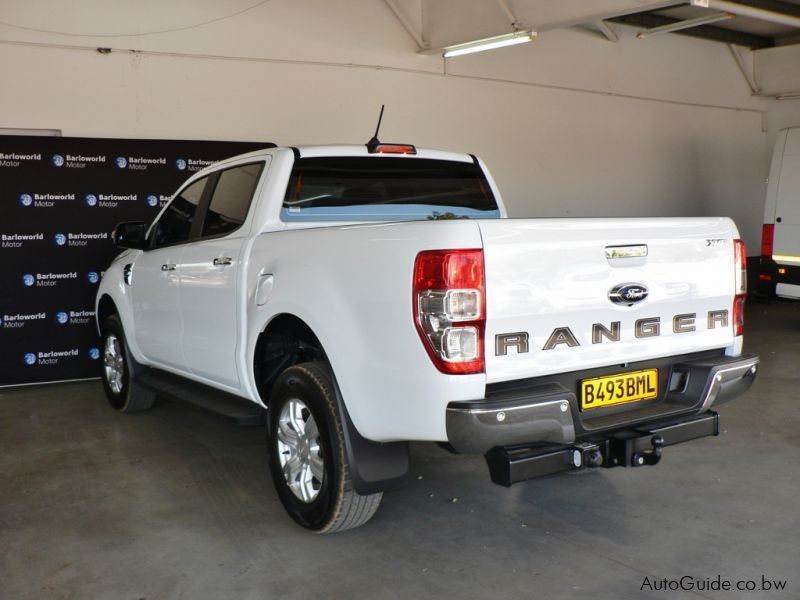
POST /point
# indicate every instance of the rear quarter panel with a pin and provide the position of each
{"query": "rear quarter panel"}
(352, 286)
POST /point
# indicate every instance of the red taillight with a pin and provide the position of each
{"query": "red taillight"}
(767, 239)
(449, 304)
(740, 266)
(738, 314)
(740, 277)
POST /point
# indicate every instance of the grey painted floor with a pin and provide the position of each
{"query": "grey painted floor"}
(174, 503)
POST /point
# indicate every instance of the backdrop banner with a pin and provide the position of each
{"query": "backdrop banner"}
(61, 199)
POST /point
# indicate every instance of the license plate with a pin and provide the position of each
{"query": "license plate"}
(618, 389)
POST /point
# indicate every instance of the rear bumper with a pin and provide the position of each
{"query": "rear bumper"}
(548, 413)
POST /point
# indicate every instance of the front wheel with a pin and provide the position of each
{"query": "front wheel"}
(307, 453)
(120, 369)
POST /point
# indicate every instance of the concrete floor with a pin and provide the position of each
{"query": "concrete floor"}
(174, 503)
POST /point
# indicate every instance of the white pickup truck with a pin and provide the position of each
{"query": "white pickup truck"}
(357, 298)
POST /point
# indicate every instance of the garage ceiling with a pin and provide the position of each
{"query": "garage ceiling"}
(739, 29)
(435, 24)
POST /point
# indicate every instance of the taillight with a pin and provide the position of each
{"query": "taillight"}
(767, 239)
(738, 315)
(740, 278)
(740, 266)
(450, 308)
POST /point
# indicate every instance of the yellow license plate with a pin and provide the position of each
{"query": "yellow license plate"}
(618, 389)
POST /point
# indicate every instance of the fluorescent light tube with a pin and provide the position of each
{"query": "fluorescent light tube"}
(498, 41)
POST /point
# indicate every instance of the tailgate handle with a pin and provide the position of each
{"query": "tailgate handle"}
(627, 251)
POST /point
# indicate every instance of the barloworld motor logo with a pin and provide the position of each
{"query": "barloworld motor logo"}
(58, 160)
(13, 159)
(94, 353)
(122, 162)
(51, 357)
(93, 276)
(47, 279)
(101, 200)
(60, 239)
(18, 321)
(152, 200)
(181, 164)
(75, 317)
(44, 199)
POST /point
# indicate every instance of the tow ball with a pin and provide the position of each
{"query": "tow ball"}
(651, 456)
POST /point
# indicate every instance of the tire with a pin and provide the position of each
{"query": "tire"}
(120, 370)
(307, 459)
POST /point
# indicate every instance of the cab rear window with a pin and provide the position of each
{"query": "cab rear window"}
(386, 189)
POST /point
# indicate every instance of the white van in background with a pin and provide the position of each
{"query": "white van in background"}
(780, 237)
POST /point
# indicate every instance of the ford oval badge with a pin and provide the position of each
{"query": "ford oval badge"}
(628, 293)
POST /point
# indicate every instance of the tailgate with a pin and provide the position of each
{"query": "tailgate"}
(549, 283)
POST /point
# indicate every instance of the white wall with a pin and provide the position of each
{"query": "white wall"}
(780, 115)
(570, 124)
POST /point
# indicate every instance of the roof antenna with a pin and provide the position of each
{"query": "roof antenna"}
(374, 141)
(374, 146)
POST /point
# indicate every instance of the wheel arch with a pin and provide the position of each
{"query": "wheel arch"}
(290, 334)
(374, 466)
(105, 308)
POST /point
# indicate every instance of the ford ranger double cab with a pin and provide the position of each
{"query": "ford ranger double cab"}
(357, 298)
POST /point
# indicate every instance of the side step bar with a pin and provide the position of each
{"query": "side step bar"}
(239, 410)
(634, 448)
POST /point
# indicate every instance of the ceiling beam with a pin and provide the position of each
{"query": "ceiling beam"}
(608, 16)
(506, 8)
(745, 69)
(417, 36)
(706, 32)
(747, 11)
(688, 24)
(606, 30)
(773, 5)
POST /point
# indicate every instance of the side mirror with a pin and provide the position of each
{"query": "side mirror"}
(132, 234)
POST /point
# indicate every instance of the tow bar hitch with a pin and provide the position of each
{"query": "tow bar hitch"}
(633, 448)
(649, 457)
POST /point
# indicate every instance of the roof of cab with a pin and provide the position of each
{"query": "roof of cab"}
(342, 150)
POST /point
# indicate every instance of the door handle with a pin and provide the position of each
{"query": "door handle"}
(168, 267)
(222, 261)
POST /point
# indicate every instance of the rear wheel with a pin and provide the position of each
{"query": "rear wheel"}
(307, 453)
(120, 369)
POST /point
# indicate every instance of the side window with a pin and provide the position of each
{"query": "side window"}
(231, 199)
(175, 224)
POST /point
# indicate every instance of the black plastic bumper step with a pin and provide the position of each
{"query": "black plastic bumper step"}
(239, 410)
